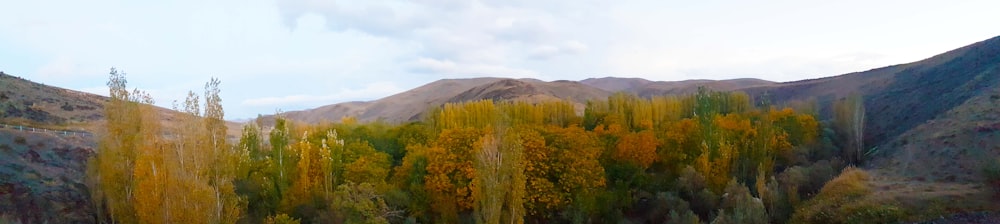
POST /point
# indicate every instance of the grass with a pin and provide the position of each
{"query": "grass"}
(847, 199)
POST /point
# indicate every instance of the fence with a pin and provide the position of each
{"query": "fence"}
(42, 130)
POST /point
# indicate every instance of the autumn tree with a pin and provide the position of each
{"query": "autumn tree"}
(849, 119)
(450, 172)
(175, 175)
(110, 172)
(500, 180)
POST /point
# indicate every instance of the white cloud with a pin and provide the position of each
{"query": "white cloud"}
(296, 50)
(545, 52)
(453, 69)
(370, 91)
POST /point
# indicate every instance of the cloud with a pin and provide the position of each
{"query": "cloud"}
(453, 69)
(370, 91)
(481, 35)
(545, 52)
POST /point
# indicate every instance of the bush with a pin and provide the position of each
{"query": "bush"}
(845, 200)
(777, 201)
(668, 208)
(20, 140)
(281, 219)
(9, 219)
(991, 174)
(738, 206)
(66, 107)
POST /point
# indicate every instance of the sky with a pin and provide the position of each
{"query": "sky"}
(290, 55)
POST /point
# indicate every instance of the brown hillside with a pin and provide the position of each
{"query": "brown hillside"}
(646, 88)
(615, 84)
(529, 90)
(901, 97)
(409, 105)
(24, 102)
(401, 107)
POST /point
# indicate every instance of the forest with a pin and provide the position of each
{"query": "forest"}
(709, 157)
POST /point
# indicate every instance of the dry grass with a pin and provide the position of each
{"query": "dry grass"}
(931, 199)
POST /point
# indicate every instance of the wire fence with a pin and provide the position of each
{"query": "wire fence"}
(42, 130)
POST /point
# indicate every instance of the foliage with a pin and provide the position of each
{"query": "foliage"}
(361, 203)
(500, 180)
(143, 176)
(849, 117)
(738, 206)
(281, 219)
(845, 199)
(991, 175)
(492, 162)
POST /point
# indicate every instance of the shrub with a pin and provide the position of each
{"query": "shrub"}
(777, 201)
(20, 140)
(738, 206)
(66, 106)
(668, 208)
(281, 219)
(991, 174)
(845, 200)
(9, 219)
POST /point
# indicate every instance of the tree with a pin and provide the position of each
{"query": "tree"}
(638, 149)
(849, 117)
(499, 181)
(450, 172)
(110, 173)
(143, 176)
(738, 206)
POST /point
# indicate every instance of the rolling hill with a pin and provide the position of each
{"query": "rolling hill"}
(410, 105)
(913, 109)
(646, 88)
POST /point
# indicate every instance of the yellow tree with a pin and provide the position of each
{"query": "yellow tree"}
(638, 149)
(499, 181)
(110, 172)
(450, 172)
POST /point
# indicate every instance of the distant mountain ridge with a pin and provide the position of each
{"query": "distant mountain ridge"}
(647, 88)
(410, 105)
(902, 100)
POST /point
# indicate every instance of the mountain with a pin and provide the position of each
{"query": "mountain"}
(410, 105)
(932, 119)
(915, 112)
(646, 88)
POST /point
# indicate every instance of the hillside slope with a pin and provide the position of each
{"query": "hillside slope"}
(901, 97)
(935, 112)
(646, 88)
(410, 105)
(42, 176)
(28, 103)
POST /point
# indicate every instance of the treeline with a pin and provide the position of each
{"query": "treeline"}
(708, 157)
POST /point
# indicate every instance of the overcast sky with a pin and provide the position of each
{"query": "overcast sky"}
(298, 54)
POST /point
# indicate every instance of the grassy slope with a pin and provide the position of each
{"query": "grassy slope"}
(41, 177)
(933, 122)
